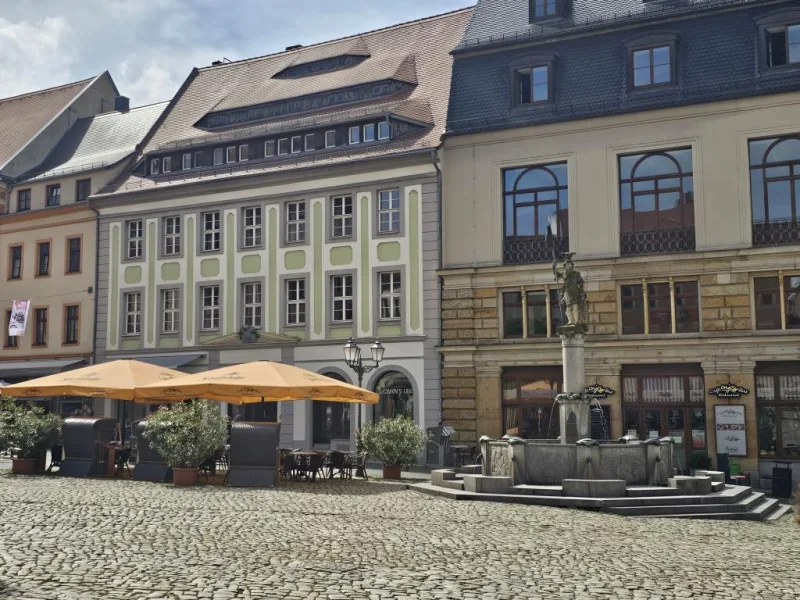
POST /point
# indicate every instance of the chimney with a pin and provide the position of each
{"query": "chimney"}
(295, 47)
(216, 62)
(122, 103)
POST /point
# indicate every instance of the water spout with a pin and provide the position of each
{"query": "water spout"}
(597, 409)
(588, 471)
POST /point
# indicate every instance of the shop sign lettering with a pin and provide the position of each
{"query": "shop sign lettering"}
(728, 390)
(597, 392)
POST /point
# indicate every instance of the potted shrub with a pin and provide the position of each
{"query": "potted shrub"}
(186, 434)
(29, 431)
(699, 460)
(395, 442)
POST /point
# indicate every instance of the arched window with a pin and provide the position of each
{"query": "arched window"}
(657, 202)
(775, 190)
(534, 198)
(396, 396)
(331, 420)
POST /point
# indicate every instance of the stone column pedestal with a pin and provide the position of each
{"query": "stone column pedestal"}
(574, 414)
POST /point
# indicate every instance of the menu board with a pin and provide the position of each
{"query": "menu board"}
(731, 434)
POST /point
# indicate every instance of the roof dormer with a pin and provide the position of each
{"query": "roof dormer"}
(544, 10)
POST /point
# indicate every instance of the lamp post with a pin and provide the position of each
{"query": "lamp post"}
(352, 356)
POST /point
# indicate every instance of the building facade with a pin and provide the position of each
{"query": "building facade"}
(664, 143)
(283, 205)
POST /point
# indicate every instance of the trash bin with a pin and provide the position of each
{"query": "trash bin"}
(782, 480)
(735, 468)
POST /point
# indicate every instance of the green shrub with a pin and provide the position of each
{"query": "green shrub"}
(30, 430)
(395, 442)
(699, 460)
(188, 433)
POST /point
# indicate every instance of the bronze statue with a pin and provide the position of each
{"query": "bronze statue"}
(570, 293)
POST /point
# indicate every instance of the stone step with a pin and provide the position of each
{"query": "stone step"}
(717, 486)
(764, 510)
(748, 503)
(662, 510)
(731, 494)
(470, 469)
(537, 490)
(641, 491)
(452, 484)
(720, 516)
(779, 512)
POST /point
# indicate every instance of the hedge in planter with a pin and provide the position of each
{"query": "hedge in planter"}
(395, 442)
(30, 431)
(187, 434)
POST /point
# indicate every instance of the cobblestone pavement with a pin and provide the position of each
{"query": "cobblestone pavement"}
(97, 539)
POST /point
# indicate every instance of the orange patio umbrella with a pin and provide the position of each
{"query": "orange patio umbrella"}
(261, 381)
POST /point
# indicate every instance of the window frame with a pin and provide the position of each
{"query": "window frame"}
(10, 342)
(68, 270)
(328, 133)
(312, 146)
(343, 299)
(155, 166)
(186, 161)
(49, 196)
(40, 341)
(533, 17)
(354, 129)
(218, 157)
(12, 260)
(27, 193)
(256, 227)
(269, 148)
(283, 142)
(296, 146)
(244, 152)
(762, 167)
(136, 313)
(298, 303)
(380, 232)
(343, 217)
(394, 296)
(230, 154)
(297, 225)
(67, 341)
(88, 183)
(775, 371)
(369, 127)
(166, 164)
(173, 237)
(779, 20)
(216, 233)
(214, 309)
(47, 259)
(139, 240)
(388, 135)
(652, 42)
(256, 305)
(173, 311)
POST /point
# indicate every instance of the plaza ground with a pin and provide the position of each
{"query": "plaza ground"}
(71, 539)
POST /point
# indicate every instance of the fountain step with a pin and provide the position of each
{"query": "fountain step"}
(779, 512)
(470, 469)
(764, 510)
(749, 503)
(538, 490)
(717, 486)
(640, 491)
(452, 484)
(674, 509)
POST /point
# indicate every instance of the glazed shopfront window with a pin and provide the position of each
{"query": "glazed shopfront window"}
(528, 402)
(396, 396)
(331, 419)
(778, 409)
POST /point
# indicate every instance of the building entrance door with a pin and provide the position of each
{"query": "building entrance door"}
(682, 424)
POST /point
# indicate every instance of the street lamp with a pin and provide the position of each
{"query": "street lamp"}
(352, 356)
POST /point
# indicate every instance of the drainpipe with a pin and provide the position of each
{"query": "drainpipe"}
(96, 275)
(435, 161)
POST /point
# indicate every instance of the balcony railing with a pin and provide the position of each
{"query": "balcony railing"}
(522, 250)
(776, 233)
(659, 241)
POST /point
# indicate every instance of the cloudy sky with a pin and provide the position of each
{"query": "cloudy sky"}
(149, 46)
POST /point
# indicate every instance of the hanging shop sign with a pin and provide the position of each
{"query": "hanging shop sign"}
(728, 390)
(731, 434)
(597, 392)
(19, 318)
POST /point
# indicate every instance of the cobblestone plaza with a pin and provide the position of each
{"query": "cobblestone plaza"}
(68, 539)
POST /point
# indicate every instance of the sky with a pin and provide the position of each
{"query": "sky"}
(150, 46)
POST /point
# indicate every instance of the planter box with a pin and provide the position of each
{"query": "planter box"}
(186, 477)
(391, 472)
(23, 466)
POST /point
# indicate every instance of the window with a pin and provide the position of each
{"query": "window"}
(71, 324)
(54, 194)
(23, 200)
(244, 152)
(251, 298)
(74, 255)
(40, 327)
(660, 308)
(210, 314)
(297, 144)
(535, 197)
(395, 396)
(155, 166)
(283, 146)
(172, 236)
(186, 161)
(170, 311)
(133, 313)
(632, 309)
(528, 402)
(652, 66)
(778, 407)
(331, 419)
(384, 130)
(252, 226)
(512, 315)
(230, 154)
(83, 187)
(135, 239)
(768, 303)
(354, 136)
(10, 341)
(295, 302)
(211, 231)
(783, 45)
(342, 216)
(369, 132)
(269, 148)
(342, 298)
(542, 9)
(310, 143)
(536, 305)
(532, 85)
(657, 202)
(199, 159)
(219, 156)
(42, 259)
(166, 164)
(330, 139)
(775, 190)
(15, 259)
(295, 222)
(389, 211)
(391, 293)
(687, 307)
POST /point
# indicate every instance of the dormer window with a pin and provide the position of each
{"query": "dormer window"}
(230, 154)
(269, 148)
(310, 143)
(384, 130)
(330, 138)
(186, 161)
(783, 45)
(283, 146)
(532, 84)
(219, 155)
(651, 61)
(369, 133)
(244, 152)
(545, 9)
(155, 166)
(354, 135)
(297, 144)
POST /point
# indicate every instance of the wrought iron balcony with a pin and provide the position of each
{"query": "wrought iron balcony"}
(776, 233)
(659, 241)
(522, 250)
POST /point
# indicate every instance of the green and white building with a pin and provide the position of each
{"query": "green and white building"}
(281, 205)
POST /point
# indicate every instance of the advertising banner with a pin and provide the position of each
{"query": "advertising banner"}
(19, 318)
(731, 435)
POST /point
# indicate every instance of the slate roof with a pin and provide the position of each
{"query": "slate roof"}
(21, 117)
(417, 52)
(99, 141)
(498, 22)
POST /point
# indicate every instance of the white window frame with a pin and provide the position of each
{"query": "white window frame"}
(230, 154)
(211, 235)
(186, 161)
(354, 130)
(197, 156)
(388, 135)
(133, 313)
(296, 302)
(252, 224)
(342, 302)
(297, 147)
(209, 299)
(219, 156)
(155, 166)
(342, 214)
(392, 212)
(252, 309)
(285, 143)
(269, 148)
(369, 127)
(135, 239)
(390, 301)
(328, 133)
(312, 146)
(170, 310)
(172, 235)
(244, 152)
(295, 231)
(166, 164)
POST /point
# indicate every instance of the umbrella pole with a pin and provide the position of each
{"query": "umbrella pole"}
(263, 409)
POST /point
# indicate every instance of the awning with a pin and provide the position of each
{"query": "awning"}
(35, 368)
(170, 361)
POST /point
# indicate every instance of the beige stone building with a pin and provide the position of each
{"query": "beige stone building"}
(680, 202)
